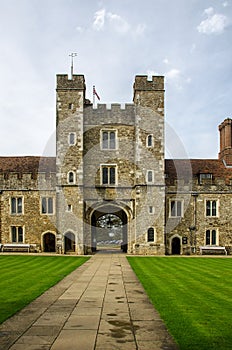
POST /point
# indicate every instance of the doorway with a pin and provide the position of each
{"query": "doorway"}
(69, 242)
(109, 229)
(49, 242)
(176, 246)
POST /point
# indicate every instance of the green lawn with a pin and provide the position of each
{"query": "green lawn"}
(23, 278)
(193, 297)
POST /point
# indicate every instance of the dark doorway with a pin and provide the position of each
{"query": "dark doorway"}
(49, 242)
(109, 229)
(69, 242)
(176, 246)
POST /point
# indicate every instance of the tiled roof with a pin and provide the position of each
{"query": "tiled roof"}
(193, 167)
(27, 164)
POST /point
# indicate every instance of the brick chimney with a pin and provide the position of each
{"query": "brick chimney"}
(225, 129)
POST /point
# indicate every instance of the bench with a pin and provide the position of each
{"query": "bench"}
(213, 250)
(1, 245)
(16, 247)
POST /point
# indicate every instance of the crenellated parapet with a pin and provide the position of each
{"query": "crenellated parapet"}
(143, 83)
(27, 181)
(110, 114)
(77, 82)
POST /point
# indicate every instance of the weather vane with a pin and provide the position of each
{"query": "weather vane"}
(73, 54)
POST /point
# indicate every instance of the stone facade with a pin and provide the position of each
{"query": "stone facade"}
(110, 164)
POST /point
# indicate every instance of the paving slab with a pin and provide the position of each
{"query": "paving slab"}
(100, 305)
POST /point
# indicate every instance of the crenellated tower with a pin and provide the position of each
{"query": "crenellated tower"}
(149, 157)
(69, 162)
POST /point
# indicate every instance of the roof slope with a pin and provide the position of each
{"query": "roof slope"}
(28, 164)
(186, 168)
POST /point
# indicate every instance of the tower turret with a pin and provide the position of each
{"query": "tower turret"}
(225, 129)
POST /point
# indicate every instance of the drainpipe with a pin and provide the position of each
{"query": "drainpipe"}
(193, 228)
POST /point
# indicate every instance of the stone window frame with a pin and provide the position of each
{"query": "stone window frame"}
(69, 208)
(211, 237)
(148, 138)
(71, 172)
(108, 130)
(150, 234)
(17, 227)
(71, 106)
(205, 178)
(74, 139)
(107, 165)
(181, 201)
(150, 171)
(45, 209)
(211, 211)
(19, 208)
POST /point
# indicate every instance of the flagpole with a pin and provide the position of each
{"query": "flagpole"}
(93, 97)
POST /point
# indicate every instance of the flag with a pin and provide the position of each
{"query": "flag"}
(95, 93)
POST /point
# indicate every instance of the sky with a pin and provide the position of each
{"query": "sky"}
(189, 42)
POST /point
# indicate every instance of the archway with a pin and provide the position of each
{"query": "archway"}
(176, 246)
(109, 229)
(49, 242)
(69, 242)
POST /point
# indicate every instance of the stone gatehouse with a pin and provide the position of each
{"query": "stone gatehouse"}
(110, 179)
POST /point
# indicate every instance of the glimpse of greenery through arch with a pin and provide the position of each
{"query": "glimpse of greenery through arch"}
(109, 230)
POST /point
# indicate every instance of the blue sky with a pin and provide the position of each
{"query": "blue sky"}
(189, 42)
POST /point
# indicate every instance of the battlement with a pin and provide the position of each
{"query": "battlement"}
(76, 83)
(27, 181)
(142, 83)
(127, 107)
(110, 114)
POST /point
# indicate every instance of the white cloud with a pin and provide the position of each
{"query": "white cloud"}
(102, 18)
(173, 73)
(165, 60)
(99, 19)
(225, 4)
(215, 23)
(119, 24)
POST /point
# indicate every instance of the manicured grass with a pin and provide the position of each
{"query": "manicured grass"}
(23, 278)
(193, 297)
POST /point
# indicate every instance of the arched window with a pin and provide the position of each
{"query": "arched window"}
(149, 140)
(71, 177)
(150, 234)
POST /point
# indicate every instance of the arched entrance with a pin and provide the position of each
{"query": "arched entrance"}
(69, 242)
(49, 242)
(109, 229)
(176, 246)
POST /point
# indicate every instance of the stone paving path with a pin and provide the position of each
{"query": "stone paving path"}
(99, 306)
